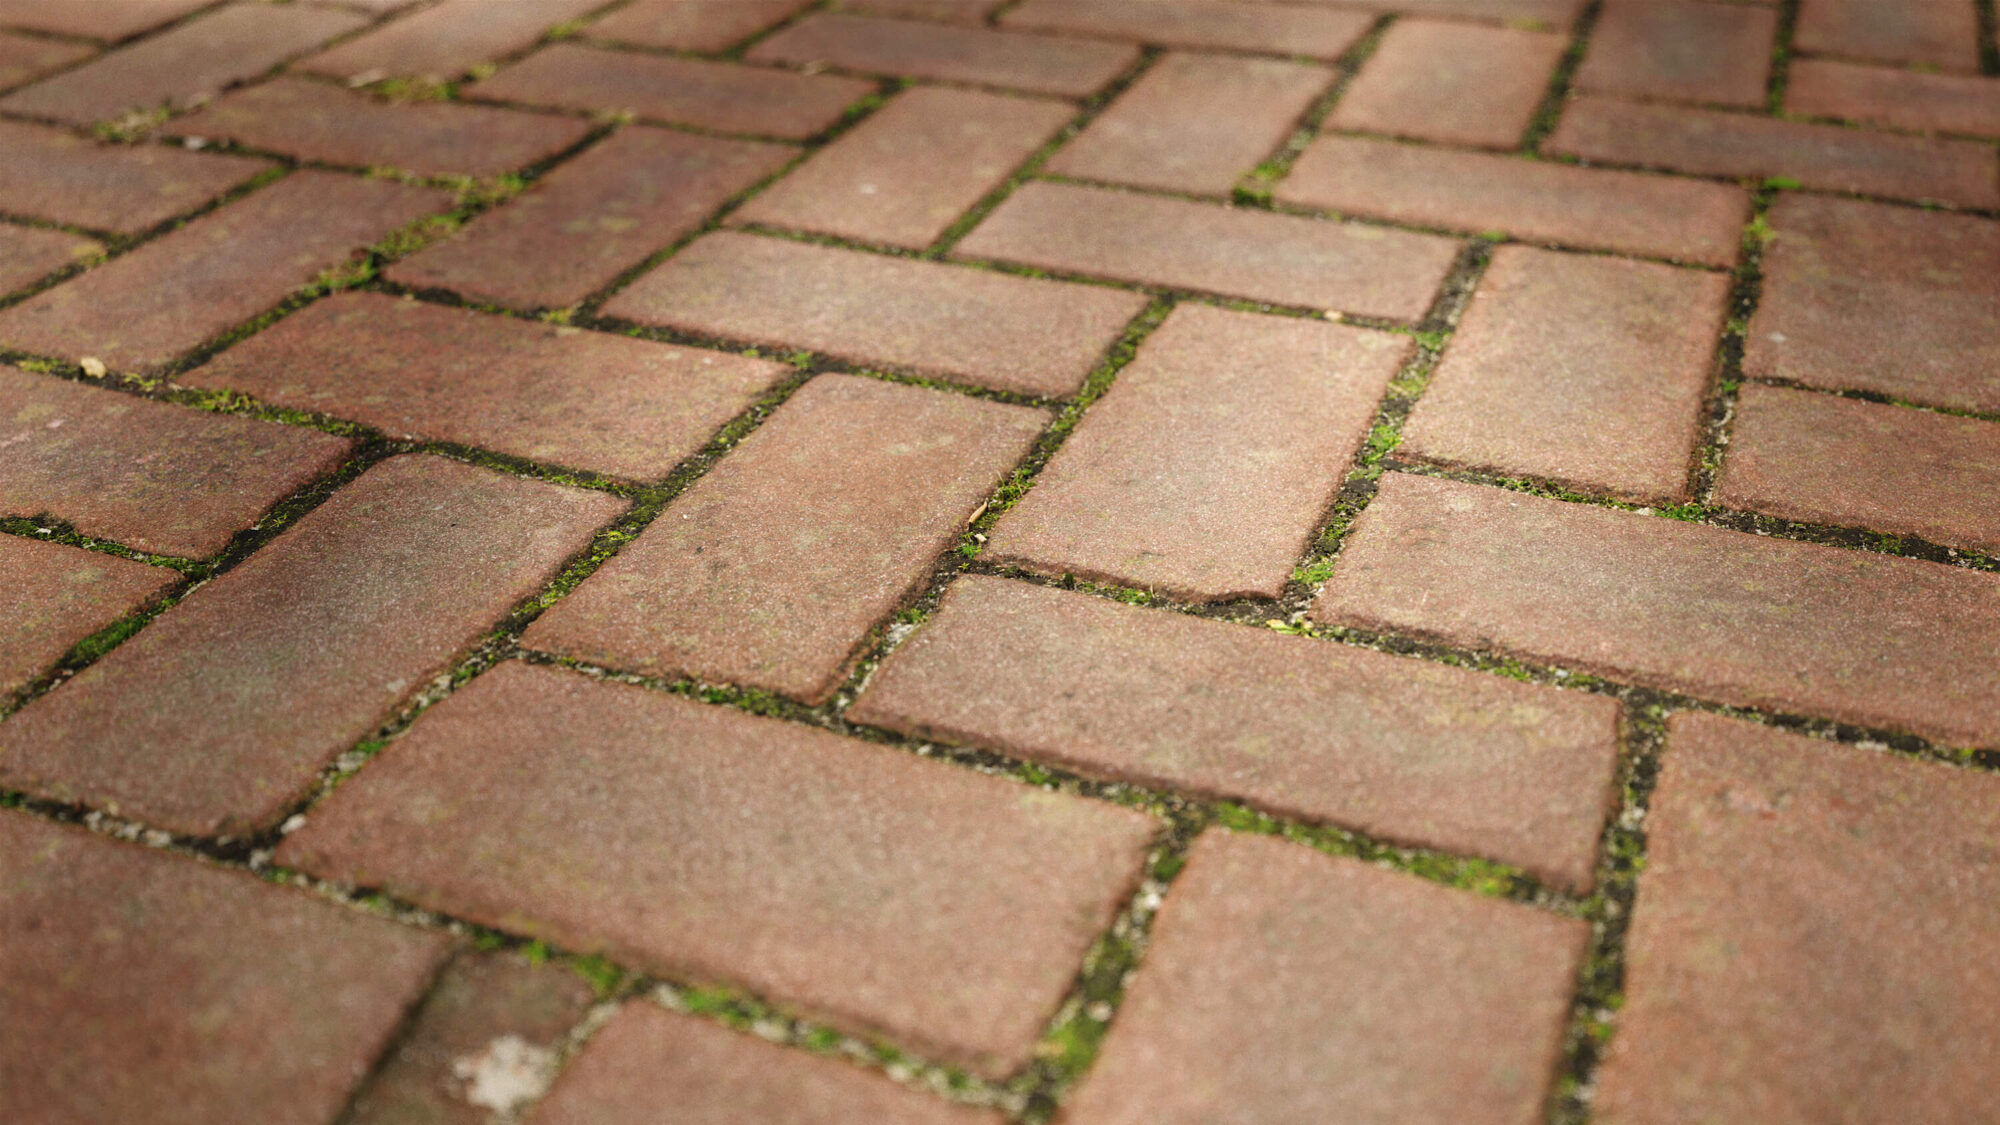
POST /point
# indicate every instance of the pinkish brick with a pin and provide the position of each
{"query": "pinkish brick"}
(867, 887)
(143, 986)
(592, 218)
(53, 596)
(1905, 99)
(1010, 333)
(1044, 64)
(1452, 82)
(97, 19)
(1740, 145)
(771, 570)
(24, 58)
(1545, 15)
(692, 25)
(1743, 619)
(143, 309)
(1815, 938)
(1194, 122)
(29, 254)
(1405, 750)
(903, 176)
(1177, 482)
(1894, 300)
(585, 400)
(941, 11)
(1938, 33)
(128, 189)
(1285, 985)
(446, 40)
(1199, 23)
(1681, 50)
(218, 716)
(710, 95)
(1282, 259)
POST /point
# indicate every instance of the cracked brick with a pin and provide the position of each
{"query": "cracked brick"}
(1044, 64)
(53, 596)
(128, 189)
(1451, 82)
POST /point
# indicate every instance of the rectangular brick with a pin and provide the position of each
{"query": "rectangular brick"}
(29, 254)
(24, 58)
(53, 596)
(98, 19)
(1281, 984)
(1904, 99)
(217, 717)
(1583, 370)
(585, 400)
(1010, 333)
(141, 986)
(1739, 145)
(1452, 82)
(709, 95)
(1176, 481)
(446, 40)
(1681, 50)
(1282, 259)
(1198, 23)
(1871, 297)
(1043, 64)
(1937, 33)
(692, 25)
(909, 171)
(143, 309)
(1741, 619)
(126, 189)
(1544, 15)
(184, 65)
(771, 570)
(1194, 122)
(592, 218)
(1419, 753)
(883, 893)
(942, 11)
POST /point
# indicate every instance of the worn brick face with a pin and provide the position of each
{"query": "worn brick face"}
(692, 25)
(942, 11)
(127, 189)
(99, 19)
(24, 57)
(53, 596)
(1928, 33)
(1546, 15)
(1044, 64)
(1904, 99)
(29, 254)
(1451, 82)
(1320, 34)
(446, 40)
(1681, 50)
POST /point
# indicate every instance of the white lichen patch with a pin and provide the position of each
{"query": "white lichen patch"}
(508, 1074)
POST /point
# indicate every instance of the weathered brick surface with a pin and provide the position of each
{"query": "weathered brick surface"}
(1320, 34)
(1905, 99)
(710, 95)
(1598, 209)
(24, 57)
(903, 176)
(1928, 33)
(55, 174)
(1681, 50)
(943, 11)
(1825, 459)
(53, 596)
(1177, 480)
(183, 65)
(1282, 259)
(692, 25)
(1877, 298)
(1817, 937)
(98, 19)
(1744, 619)
(1452, 82)
(1409, 751)
(1009, 333)
(881, 892)
(1285, 985)
(647, 1057)
(593, 218)
(216, 718)
(1550, 15)
(149, 475)
(1585, 370)
(1045, 64)
(29, 254)
(169, 295)
(1829, 157)
(773, 568)
(448, 39)
(141, 986)
(586, 400)
(1194, 122)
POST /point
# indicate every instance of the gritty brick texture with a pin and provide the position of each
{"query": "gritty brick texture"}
(875, 890)
(53, 596)
(692, 25)
(1177, 481)
(1320, 34)
(1817, 937)
(448, 39)
(1742, 619)
(1044, 64)
(29, 254)
(98, 19)
(216, 718)
(1681, 50)
(55, 174)
(771, 570)
(23, 57)
(141, 986)
(1547, 15)
(1285, 985)
(1451, 82)
(1904, 99)
(941, 11)
(1404, 750)
(1934, 33)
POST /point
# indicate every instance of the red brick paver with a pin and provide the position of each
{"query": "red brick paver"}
(879, 891)
(98, 19)
(692, 25)
(1929, 32)
(53, 596)
(1451, 82)
(127, 189)
(1681, 50)
(29, 254)
(1907, 99)
(1044, 64)
(1320, 34)
(23, 57)
(942, 11)
(448, 39)
(1547, 15)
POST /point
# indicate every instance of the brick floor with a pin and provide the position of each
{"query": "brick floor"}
(1681, 50)
(446, 40)
(1945, 36)
(29, 254)
(1906, 99)
(942, 11)
(1042, 64)
(692, 25)
(1546, 15)
(1451, 82)
(126, 189)
(1198, 23)
(54, 596)
(23, 57)
(100, 19)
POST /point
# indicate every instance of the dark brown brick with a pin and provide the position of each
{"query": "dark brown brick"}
(217, 717)
(1043, 64)
(1452, 82)
(593, 218)
(55, 174)
(1194, 122)
(1285, 985)
(1938, 33)
(771, 570)
(943, 11)
(1877, 298)
(52, 596)
(1817, 937)
(143, 309)
(448, 39)
(1742, 619)
(29, 254)
(692, 25)
(1409, 751)
(1009, 333)
(23, 58)
(1681, 50)
(883, 893)
(587, 400)
(912, 168)
(1906, 99)
(98, 19)
(1198, 23)
(710, 95)
(1282, 259)
(1177, 481)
